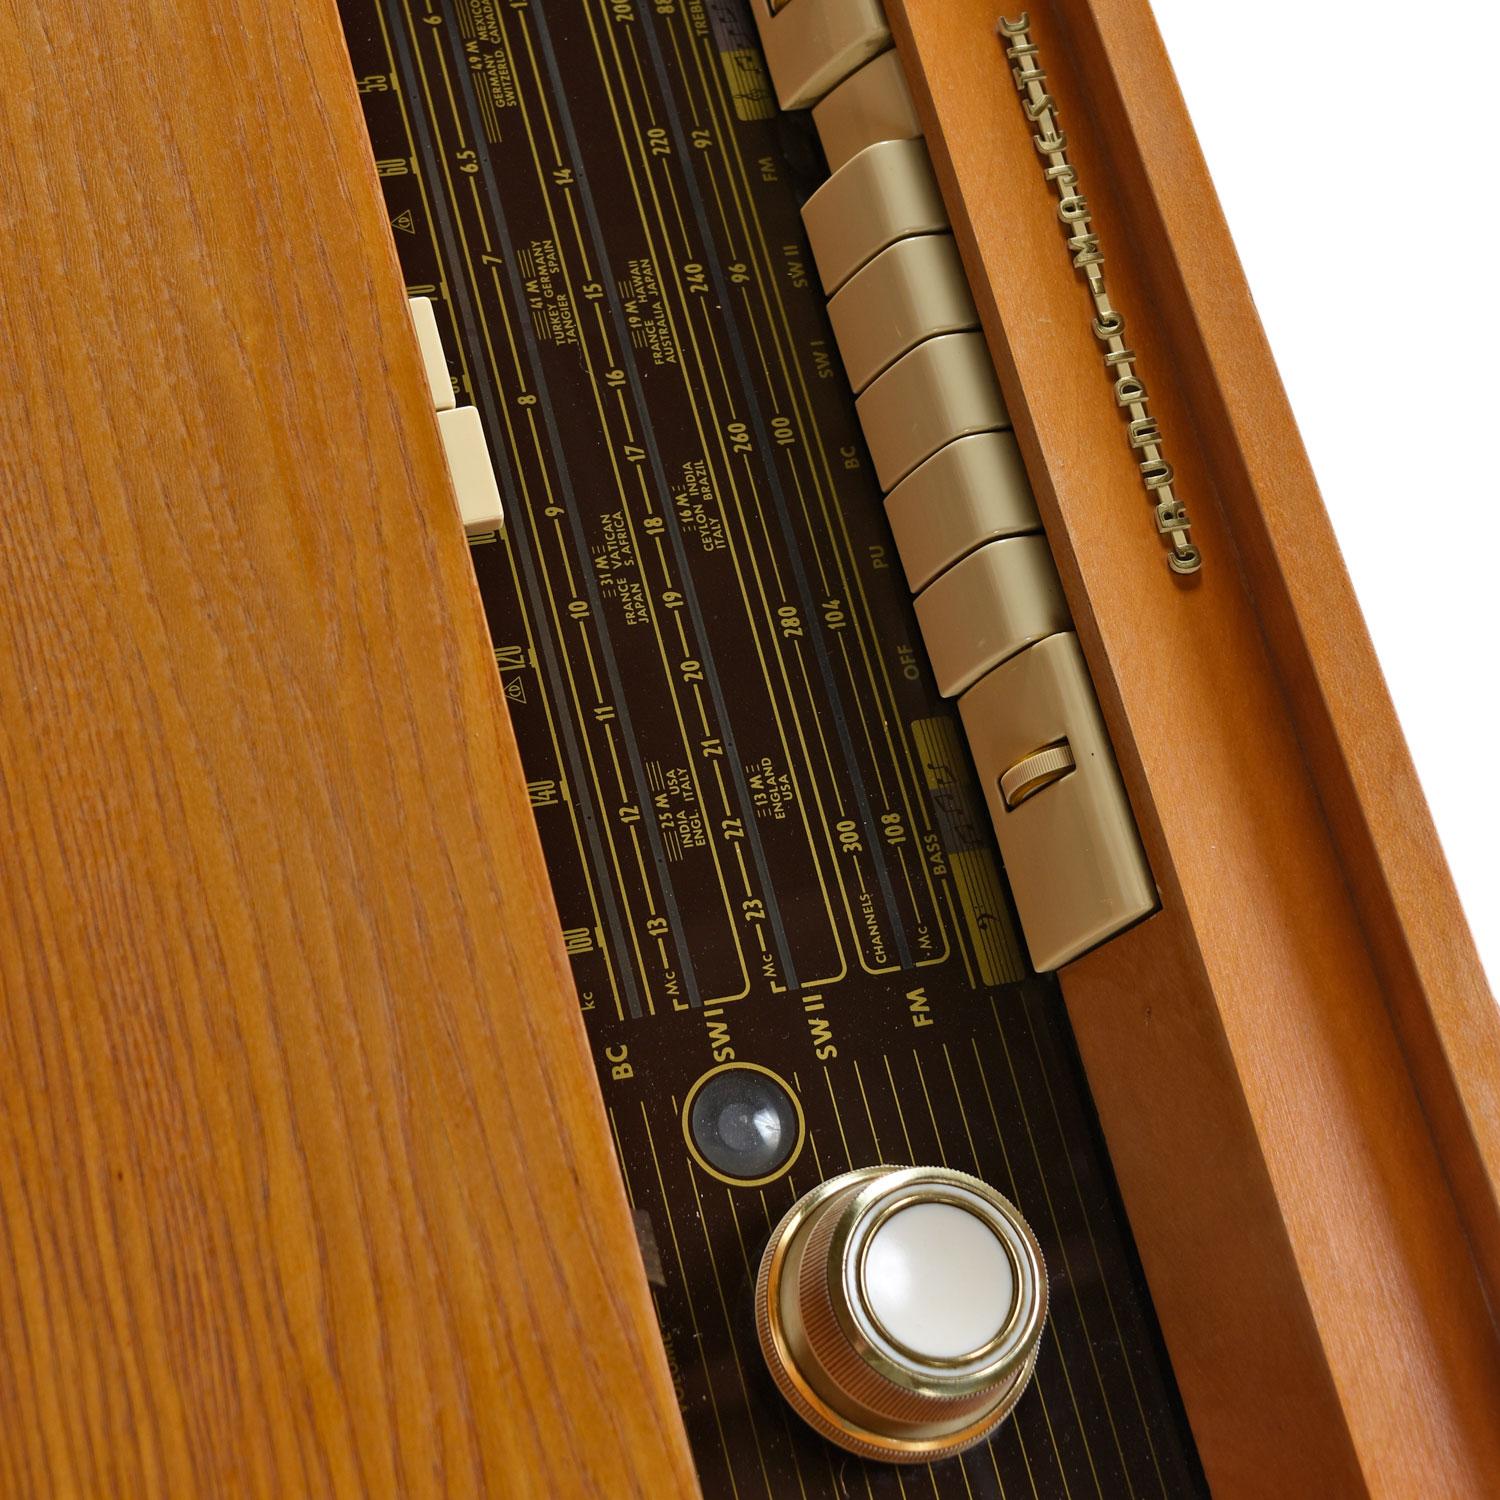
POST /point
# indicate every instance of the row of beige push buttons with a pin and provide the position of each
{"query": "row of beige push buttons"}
(992, 612)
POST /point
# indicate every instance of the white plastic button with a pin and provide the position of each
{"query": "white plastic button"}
(914, 290)
(434, 361)
(971, 492)
(944, 389)
(871, 105)
(876, 198)
(987, 607)
(937, 1281)
(473, 474)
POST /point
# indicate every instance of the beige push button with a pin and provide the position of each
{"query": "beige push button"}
(813, 45)
(988, 607)
(944, 389)
(871, 105)
(434, 361)
(876, 198)
(909, 292)
(469, 464)
(1066, 834)
(966, 494)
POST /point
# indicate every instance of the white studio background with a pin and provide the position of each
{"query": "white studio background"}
(1355, 150)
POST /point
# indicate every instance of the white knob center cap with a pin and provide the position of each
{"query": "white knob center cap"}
(938, 1280)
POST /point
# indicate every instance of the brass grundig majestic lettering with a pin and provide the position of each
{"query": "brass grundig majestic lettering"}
(1109, 324)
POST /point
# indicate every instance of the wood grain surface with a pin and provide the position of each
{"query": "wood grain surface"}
(305, 1186)
(1408, 906)
(1292, 1060)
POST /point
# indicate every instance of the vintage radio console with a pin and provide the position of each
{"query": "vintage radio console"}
(952, 989)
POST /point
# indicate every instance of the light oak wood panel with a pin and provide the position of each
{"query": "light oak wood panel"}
(1413, 922)
(1326, 1318)
(305, 1186)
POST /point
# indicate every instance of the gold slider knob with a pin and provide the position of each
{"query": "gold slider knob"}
(900, 1310)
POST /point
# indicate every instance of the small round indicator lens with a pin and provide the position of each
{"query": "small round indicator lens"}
(743, 1123)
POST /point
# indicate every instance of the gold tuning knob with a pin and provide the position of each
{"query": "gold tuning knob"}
(900, 1310)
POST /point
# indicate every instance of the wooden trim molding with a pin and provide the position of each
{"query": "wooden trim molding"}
(1296, 1061)
(305, 1185)
(1409, 910)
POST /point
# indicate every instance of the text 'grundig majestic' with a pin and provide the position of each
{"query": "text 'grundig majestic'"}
(1109, 324)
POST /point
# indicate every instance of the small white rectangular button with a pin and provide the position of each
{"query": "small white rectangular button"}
(1076, 867)
(911, 291)
(871, 105)
(966, 494)
(876, 198)
(944, 389)
(811, 46)
(434, 361)
(468, 456)
(987, 607)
